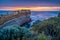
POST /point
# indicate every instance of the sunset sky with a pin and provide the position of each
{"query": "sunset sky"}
(33, 5)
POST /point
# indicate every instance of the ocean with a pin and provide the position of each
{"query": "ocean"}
(42, 15)
(35, 15)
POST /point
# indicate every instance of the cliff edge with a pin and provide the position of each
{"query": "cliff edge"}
(22, 15)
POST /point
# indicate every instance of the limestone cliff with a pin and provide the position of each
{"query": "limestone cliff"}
(18, 17)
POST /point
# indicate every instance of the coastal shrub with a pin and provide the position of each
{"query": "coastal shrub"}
(59, 15)
(42, 36)
(14, 33)
(51, 27)
(36, 22)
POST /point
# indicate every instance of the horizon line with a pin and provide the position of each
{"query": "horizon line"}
(32, 8)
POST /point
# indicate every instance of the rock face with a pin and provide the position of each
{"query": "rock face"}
(18, 17)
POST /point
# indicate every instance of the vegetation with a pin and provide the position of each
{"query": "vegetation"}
(46, 30)
(59, 15)
(50, 27)
(42, 36)
(14, 33)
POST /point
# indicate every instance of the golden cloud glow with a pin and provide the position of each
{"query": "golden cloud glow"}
(32, 8)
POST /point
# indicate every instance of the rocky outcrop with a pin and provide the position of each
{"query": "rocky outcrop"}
(18, 18)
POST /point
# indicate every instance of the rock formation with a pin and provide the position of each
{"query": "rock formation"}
(17, 17)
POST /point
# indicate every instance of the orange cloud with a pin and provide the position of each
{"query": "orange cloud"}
(32, 8)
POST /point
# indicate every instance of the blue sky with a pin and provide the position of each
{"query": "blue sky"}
(34, 5)
(27, 3)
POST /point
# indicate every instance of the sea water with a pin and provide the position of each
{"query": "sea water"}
(35, 15)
